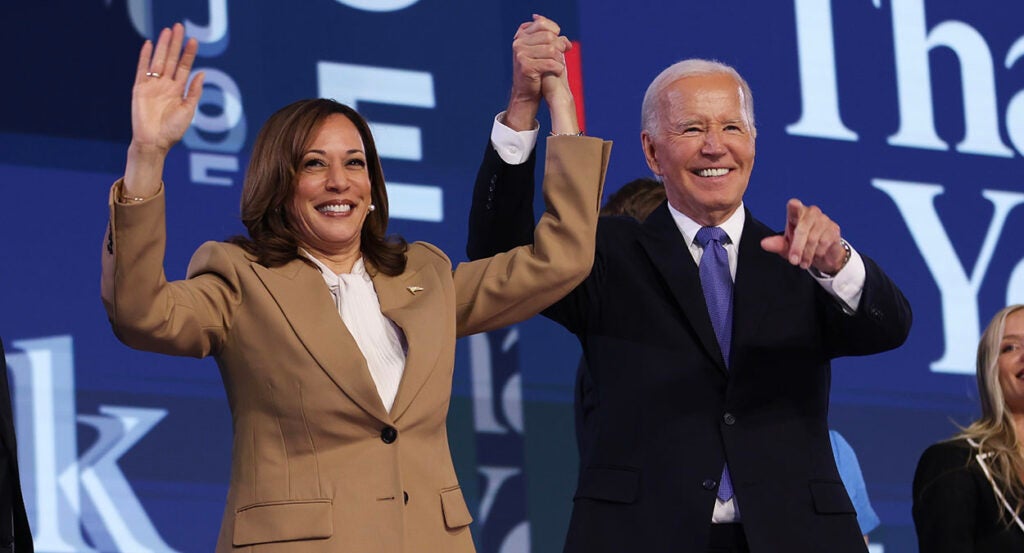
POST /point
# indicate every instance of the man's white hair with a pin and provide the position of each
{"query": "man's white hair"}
(649, 113)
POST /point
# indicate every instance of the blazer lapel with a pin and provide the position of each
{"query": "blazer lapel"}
(302, 296)
(757, 273)
(406, 299)
(665, 248)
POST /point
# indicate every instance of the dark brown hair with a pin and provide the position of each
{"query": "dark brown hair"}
(637, 199)
(270, 183)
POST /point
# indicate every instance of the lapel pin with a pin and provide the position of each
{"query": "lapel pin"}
(413, 289)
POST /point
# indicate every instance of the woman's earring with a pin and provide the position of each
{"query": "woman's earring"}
(372, 207)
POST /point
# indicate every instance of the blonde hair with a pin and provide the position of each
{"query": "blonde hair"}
(994, 431)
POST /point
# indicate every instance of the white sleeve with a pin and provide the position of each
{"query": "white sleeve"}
(848, 284)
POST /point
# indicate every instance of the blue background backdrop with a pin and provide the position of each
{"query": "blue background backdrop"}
(64, 128)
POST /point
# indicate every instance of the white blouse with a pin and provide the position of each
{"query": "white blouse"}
(381, 341)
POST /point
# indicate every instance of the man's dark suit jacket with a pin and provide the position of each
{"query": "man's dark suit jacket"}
(661, 411)
(14, 530)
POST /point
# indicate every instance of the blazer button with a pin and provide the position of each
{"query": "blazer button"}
(709, 484)
(729, 419)
(388, 435)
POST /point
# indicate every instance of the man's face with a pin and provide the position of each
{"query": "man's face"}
(703, 148)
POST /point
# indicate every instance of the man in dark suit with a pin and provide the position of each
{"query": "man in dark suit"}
(707, 337)
(15, 535)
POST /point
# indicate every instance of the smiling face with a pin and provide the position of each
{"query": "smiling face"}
(702, 146)
(332, 194)
(1011, 362)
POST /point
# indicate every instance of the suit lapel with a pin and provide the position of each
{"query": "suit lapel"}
(757, 272)
(406, 300)
(665, 248)
(302, 296)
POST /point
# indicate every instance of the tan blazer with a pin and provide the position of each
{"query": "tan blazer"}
(318, 465)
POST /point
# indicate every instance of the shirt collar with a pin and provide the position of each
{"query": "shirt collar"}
(733, 226)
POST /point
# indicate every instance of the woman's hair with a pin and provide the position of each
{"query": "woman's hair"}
(271, 179)
(994, 431)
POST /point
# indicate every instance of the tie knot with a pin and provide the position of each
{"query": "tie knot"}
(706, 234)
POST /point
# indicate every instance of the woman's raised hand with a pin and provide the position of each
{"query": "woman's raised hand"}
(554, 82)
(161, 109)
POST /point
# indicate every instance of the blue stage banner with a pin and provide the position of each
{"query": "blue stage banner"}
(902, 119)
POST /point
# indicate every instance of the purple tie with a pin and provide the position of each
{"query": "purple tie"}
(716, 280)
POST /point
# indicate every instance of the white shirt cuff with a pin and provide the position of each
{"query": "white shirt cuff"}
(513, 147)
(847, 285)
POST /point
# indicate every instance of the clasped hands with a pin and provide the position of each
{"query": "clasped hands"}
(538, 70)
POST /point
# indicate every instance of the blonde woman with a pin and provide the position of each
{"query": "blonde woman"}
(969, 491)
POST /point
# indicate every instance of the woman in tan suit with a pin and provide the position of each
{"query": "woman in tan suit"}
(336, 344)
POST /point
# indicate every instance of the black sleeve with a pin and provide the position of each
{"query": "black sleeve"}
(881, 323)
(501, 213)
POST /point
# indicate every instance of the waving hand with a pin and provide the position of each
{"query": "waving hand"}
(163, 104)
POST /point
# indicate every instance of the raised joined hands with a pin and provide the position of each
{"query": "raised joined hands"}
(538, 70)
